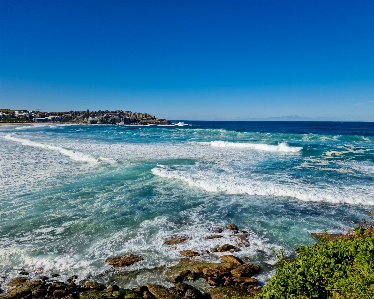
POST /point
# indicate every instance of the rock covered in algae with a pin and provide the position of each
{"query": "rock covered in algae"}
(189, 253)
(174, 240)
(124, 261)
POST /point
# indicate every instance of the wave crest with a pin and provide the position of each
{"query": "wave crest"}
(281, 147)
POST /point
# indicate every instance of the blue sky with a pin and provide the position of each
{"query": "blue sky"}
(232, 60)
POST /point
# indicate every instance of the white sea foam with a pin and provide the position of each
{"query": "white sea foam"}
(72, 154)
(281, 147)
(235, 183)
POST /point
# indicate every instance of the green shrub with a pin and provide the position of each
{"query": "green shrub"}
(342, 268)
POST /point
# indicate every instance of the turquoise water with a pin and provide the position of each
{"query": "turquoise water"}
(74, 195)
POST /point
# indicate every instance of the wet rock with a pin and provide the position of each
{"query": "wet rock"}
(92, 285)
(192, 294)
(192, 276)
(213, 237)
(246, 280)
(227, 247)
(71, 287)
(212, 281)
(59, 293)
(229, 292)
(182, 275)
(245, 270)
(243, 241)
(23, 273)
(74, 277)
(216, 272)
(112, 288)
(125, 293)
(43, 278)
(93, 294)
(124, 261)
(159, 292)
(189, 253)
(179, 290)
(39, 292)
(174, 240)
(21, 290)
(232, 226)
(55, 275)
(213, 250)
(17, 281)
(231, 260)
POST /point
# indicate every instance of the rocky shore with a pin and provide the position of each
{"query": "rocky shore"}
(191, 278)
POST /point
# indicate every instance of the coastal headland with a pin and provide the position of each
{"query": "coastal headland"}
(9, 116)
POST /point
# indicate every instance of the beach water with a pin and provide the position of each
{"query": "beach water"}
(73, 195)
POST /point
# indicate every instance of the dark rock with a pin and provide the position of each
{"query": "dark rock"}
(232, 226)
(23, 273)
(192, 276)
(92, 285)
(189, 253)
(43, 278)
(243, 241)
(229, 292)
(212, 281)
(182, 275)
(192, 294)
(59, 293)
(22, 290)
(246, 270)
(124, 261)
(159, 292)
(227, 247)
(175, 240)
(71, 287)
(179, 290)
(246, 280)
(55, 275)
(74, 277)
(39, 292)
(216, 272)
(231, 259)
(213, 237)
(92, 294)
(112, 288)
(218, 230)
(17, 281)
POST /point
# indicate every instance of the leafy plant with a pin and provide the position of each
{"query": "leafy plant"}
(341, 268)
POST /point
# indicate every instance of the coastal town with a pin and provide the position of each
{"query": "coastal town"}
(81, 117)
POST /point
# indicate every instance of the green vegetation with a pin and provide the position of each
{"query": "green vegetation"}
(342, 268)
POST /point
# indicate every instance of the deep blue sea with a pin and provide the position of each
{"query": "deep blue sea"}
(73, 195)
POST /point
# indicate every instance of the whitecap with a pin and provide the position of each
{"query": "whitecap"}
(281, 147)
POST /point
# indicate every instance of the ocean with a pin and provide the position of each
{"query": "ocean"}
(73, 195)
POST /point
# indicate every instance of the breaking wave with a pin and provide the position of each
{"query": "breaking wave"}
(235, 184)
(281, 147)
(72, 154)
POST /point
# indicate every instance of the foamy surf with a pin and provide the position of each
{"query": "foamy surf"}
(281, 147)
(74, 155)
(236, 184)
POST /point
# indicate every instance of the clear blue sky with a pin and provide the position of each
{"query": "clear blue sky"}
(190, 59)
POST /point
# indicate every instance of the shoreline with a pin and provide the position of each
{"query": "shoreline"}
(17, 124)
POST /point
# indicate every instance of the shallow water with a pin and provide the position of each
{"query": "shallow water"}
(73, 195)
